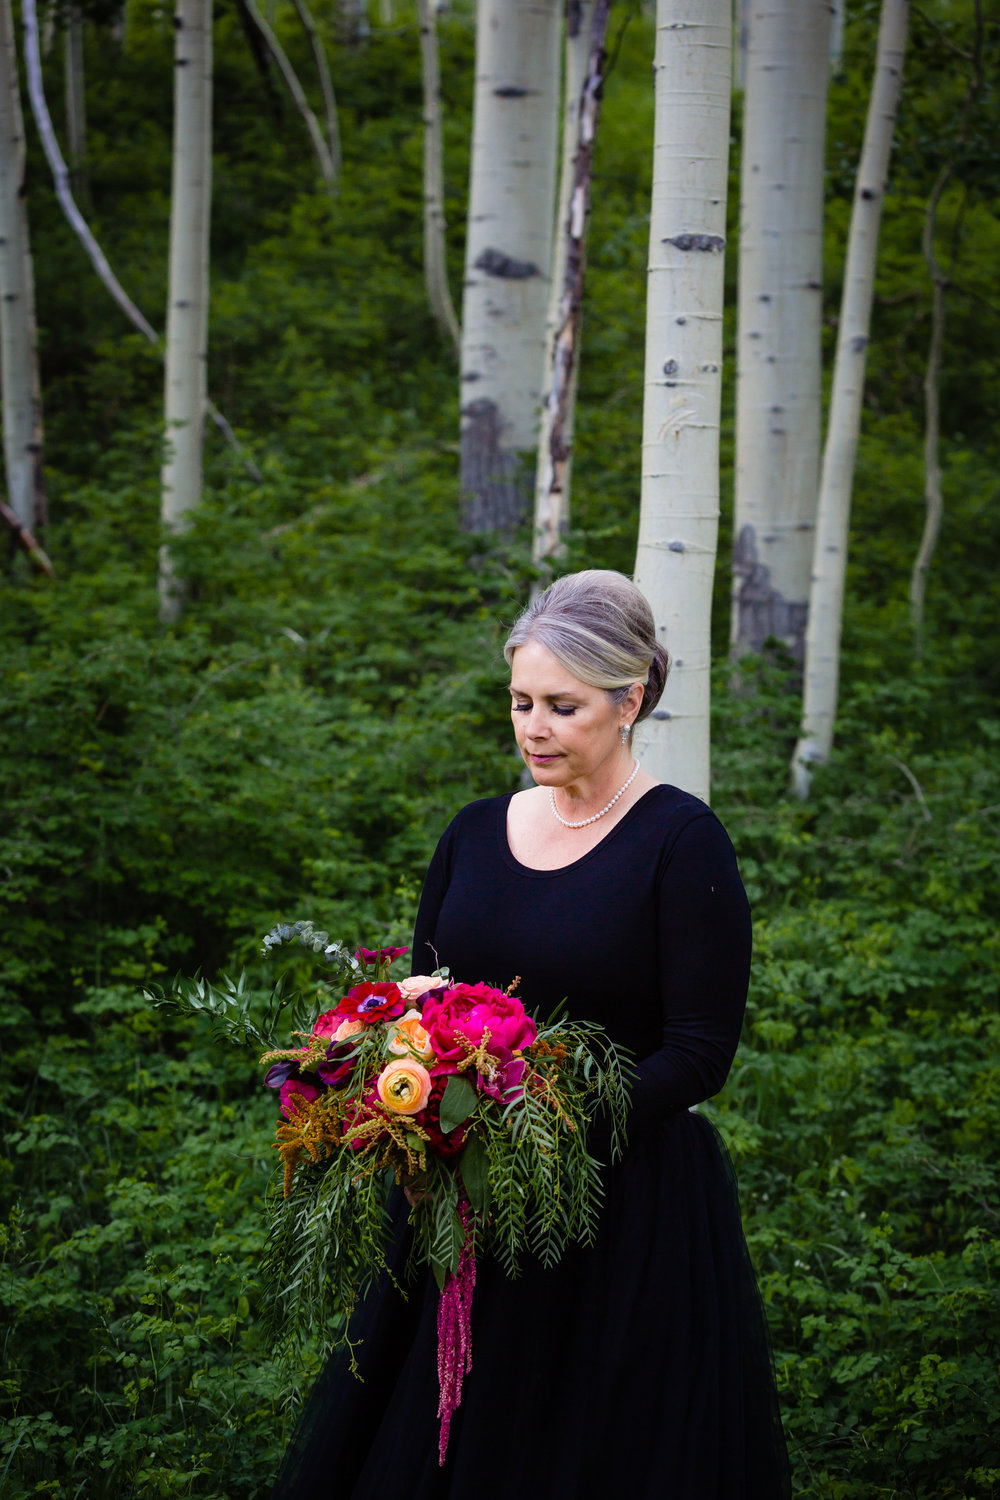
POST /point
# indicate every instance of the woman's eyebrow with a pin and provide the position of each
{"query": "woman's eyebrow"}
(548, 697)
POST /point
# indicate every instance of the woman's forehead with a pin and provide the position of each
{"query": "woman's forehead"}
(538, 671)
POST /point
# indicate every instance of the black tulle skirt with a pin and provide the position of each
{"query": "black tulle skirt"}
(640, 1365)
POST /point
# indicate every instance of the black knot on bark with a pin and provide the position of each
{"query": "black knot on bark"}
(509, 91)
(496, 263)
(709, 242)
(670, 368)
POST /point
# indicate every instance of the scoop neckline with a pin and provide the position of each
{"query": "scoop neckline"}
(510, 858)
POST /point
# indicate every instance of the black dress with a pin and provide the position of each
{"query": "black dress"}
(638, 1366)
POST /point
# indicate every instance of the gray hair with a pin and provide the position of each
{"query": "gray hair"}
(599, 627)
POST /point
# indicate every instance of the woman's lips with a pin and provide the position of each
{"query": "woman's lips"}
(542, 760)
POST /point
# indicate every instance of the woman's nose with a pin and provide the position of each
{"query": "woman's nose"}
(536, 726)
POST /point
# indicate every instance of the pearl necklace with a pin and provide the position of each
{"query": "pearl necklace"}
(584, 821)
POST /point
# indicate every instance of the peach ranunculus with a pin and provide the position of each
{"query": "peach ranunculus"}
(404, 1086)
(407, 1037)
(347, 1028)
(419, 984)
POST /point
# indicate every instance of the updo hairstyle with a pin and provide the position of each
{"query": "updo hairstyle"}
(599, 627)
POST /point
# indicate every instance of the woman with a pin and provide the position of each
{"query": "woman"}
(640, 1364)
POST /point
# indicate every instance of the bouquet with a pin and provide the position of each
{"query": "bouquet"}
(449, 1089)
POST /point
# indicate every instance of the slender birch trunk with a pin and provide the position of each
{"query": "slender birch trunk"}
(187, 299)
(586, 34)
(508, 255)
(76, 106)
(80, 227)
(837, 35)
(325, 82)
(327, 165)
(19, 383)
(826, 599)
(679, 513)
(779, 339)
(435, 245)
(933, 493)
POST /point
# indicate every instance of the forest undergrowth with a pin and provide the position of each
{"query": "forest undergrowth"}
(335, 691)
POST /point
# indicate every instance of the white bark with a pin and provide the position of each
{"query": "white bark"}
(837, 35)
(61, 178)
(187, 297)
(779, 353)
(584, 75)
(933, 494)
(325, 82)
(826, 599)
(326, 162)
(679, 514)
(81, 228)
(76, 108)
(22, 405)
(435, 245)
(508, 255)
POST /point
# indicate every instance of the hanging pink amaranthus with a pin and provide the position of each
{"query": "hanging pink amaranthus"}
(454, 1321)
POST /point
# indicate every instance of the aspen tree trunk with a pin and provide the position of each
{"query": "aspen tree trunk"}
(837, 35)
(19, 385)
(76, 110)
(779, 354)
(325, 81)
(933, 494)
(586, 33)
(435, 252)
(826, 599)
(327, 165)
(187, 298)
(741, 38)
(508, 255)
(679, 513)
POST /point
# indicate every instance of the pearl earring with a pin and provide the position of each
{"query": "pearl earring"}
(625, 734)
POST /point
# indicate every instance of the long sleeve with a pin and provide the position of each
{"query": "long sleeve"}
(704, 942)
(423, 954)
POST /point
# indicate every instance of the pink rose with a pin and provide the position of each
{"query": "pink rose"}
(326, 1024)
(419, 984)
(468, 1011)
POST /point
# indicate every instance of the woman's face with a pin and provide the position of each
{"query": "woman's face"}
(566, 730)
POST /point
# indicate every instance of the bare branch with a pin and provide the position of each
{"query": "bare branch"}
(326, 82)
(323, 155)
(26, 539)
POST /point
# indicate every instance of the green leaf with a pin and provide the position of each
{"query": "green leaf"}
(457, 1103)
(457, 1243)
(474, 1169)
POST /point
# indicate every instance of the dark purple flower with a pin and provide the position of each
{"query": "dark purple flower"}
(279, 1073)
(337, 1069)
